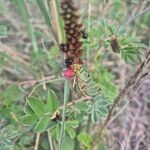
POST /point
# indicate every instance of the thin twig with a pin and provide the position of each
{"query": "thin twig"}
(50, 140)
(44, 82)
(89, 24)
(66, 93)
(136, 16)
(37, 141)
(31, 82)
(72, 103)
(119, 97)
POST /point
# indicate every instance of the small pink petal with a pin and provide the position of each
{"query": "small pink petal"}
(69, 73)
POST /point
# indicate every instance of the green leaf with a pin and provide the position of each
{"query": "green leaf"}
(51, 125)
(68, 143)
(36, 105)
(27, 109)
(42, 124)
(73, 124)
(142, 45)
(82, 106)
(3, 31)
(52, 102)
(71, 132)
(105, 80)
(122, 31)
(95, 117)
(103, 111)
(133, 51)
(44, 12)
(85, 139)
(102, 103)
(28, 119)
(26, 18)
(79, 117)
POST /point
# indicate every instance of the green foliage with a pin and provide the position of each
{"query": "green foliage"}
(85, 139)
(44, 116)
(82, 106)
(9, 98)
(105, 80)
(130, 46)
(30, 29)
(71, 132)
(10, 133)
(52, 102)
(45, 13)
(68, 143)
(29, 62)
(35, 111)
(36, 105)
(27, 110)
(42, 124)
(3, 31)
(28, 119)
(95, 109)
(73, 124)
(7, 135)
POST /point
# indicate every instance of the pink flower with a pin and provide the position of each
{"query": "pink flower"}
(69, 73)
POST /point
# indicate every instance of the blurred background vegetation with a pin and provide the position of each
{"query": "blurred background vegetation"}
(29, 54)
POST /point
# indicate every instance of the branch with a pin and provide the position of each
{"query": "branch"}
(72, 103)
(37, 141)
(123, 92)
(136, 16)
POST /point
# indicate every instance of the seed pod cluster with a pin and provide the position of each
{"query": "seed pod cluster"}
(73, 30)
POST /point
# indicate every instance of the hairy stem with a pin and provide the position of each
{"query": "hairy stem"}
(66, 94)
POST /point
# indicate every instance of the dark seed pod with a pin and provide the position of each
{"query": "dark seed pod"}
(115, 44)
(68, 62)
(56, 117)
(84, 34)
(63, 48)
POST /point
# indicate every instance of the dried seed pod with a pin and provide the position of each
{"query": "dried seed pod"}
(114, 44)
(56, 117)
(63, 48)
(68, 62)
(84, 34)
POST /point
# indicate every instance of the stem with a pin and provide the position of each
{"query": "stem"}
(88, 127)
(49, 81)
(136, 16)
(32, 82)
(50, 140)
(89, 23)
(37, 141)
(53, 5)
(73, 102)
(66, 94)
